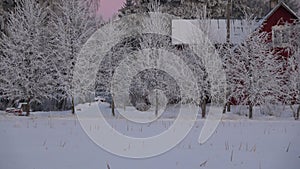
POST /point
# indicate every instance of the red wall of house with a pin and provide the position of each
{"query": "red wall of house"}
(280, 16)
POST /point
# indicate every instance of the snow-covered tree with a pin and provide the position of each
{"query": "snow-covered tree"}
(253, 72)
(147, 45)
(215, 8)
(183, 9)
(208, 77)
(109, 42)
(73, 22)
(258, 7)
(128, 8)
(291, 75)
(25, 67)
(253, 69)
(159, 41)
(293, 85)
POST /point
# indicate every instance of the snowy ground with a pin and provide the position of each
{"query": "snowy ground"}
(56, 141)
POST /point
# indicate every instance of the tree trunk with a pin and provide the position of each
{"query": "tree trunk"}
(298, 112)
(203, 108)
(60, 104)
(224, 108)
(156, 104)
(250, 111)
(113, 107)
(28, 107)
(73, 106)
(228, 16)
(295, 112)
(228, 107)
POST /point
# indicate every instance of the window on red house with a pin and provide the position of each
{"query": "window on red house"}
(281, 36)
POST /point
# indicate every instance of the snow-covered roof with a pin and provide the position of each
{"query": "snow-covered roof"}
(183, 30)
(21, 104)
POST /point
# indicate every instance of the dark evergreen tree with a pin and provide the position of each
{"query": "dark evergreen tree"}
(128, 8)
(185, 9)
(215, 8)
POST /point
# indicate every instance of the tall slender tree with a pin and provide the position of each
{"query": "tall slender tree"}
(291, 76)
(73, 23)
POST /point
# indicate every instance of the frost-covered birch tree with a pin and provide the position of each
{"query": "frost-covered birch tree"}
(158, 83)
(73, 22)
(25, 67)
(293, 85)
(140, 62)
(291, 76)
(253, 72)
(109, 35)
(206, 50)
(254, 69)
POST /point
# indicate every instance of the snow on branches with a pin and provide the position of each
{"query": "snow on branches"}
(253, 72)
(25, 66)
(291, 86)
(39, 51)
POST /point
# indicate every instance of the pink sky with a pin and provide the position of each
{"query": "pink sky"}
(110, 7)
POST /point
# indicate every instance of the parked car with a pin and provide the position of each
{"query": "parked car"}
(10, 110)
(105, 96)
(15, 111)
(99, 99)
(19, 111)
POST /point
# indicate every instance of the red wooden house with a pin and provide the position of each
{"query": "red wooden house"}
(278, 24)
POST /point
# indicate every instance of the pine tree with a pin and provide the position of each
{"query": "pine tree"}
(258, 7)
(184, 9)
(128, 8)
